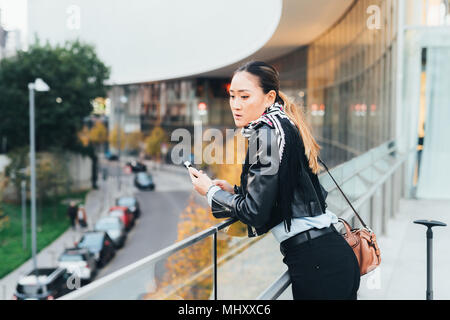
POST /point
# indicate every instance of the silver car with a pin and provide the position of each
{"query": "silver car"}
(115, 229)
(80, 262)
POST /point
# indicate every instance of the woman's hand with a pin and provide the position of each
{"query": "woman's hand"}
(200, 180)
(224, 185)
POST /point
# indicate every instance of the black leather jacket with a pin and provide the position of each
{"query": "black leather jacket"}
(255, 201)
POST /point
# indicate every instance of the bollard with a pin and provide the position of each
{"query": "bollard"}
(430, 224)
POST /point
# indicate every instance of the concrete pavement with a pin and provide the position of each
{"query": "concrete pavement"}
(402, 274)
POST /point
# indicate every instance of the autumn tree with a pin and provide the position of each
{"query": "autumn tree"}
(117, 135)
(231, 172)
(98, 134)
(133, 140)
(84, 137)
(154, 141)
(189, 271)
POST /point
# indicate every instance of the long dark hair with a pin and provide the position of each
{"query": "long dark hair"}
(269, 80)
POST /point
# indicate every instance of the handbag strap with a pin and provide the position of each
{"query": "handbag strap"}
(357, 215)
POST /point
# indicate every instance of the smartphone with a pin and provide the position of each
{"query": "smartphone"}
(188, 164)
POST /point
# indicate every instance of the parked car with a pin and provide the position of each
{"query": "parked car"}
(111, 156)
(115, 229)
(131, 203)
(79, 261)
(99, 244)
(144, 181)
(124, 214)
(137, 166)
(52, 284)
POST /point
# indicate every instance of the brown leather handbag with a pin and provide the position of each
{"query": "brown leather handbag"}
(362, 240)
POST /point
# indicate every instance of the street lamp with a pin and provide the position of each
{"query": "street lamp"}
(123, 100)
(40, 86)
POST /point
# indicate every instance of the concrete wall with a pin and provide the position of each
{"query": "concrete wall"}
(80, 169)
(80, 172)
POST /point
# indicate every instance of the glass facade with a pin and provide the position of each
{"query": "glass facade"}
(172, 104)
(345, 80)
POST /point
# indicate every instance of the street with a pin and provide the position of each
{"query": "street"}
(156, 228)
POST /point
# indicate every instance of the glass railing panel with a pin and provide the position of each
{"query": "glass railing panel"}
(247, 266)
(186, 274)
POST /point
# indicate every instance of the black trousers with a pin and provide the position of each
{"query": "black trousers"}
(324, 268)
(72, 221)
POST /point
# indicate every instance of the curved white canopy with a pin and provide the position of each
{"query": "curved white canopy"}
(151, 40)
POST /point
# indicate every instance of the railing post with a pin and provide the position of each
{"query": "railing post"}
(371, 210)
(384, 207)
(215, 264)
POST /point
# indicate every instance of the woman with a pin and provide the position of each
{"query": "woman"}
(81, 217)
(280, 190)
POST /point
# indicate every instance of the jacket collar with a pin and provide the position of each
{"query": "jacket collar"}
(274, 109)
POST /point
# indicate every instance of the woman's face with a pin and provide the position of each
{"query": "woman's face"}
(247, 99)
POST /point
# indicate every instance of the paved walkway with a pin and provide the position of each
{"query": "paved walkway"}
(402, 274)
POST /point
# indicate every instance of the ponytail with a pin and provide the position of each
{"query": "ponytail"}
(297, 116)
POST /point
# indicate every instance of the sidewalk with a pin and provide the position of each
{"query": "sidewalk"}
(402, 273)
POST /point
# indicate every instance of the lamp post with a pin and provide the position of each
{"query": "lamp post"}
(23, 185)
(430, 224)
(123, 100)
(40, 86)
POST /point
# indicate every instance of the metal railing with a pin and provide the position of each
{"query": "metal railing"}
(91, 289)
(104, 287)
(276, 289)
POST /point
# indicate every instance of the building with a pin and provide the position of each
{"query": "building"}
(13, 42)
(3, 34)
(339, 59)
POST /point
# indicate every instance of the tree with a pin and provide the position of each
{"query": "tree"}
(84, 137)
(18, 169)
(52, 174)
(114, 136)
(153, 142)
(134, 140)
(98, 134)
(189, 271)
(4, 220)
(231, 172)
(76, 77)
